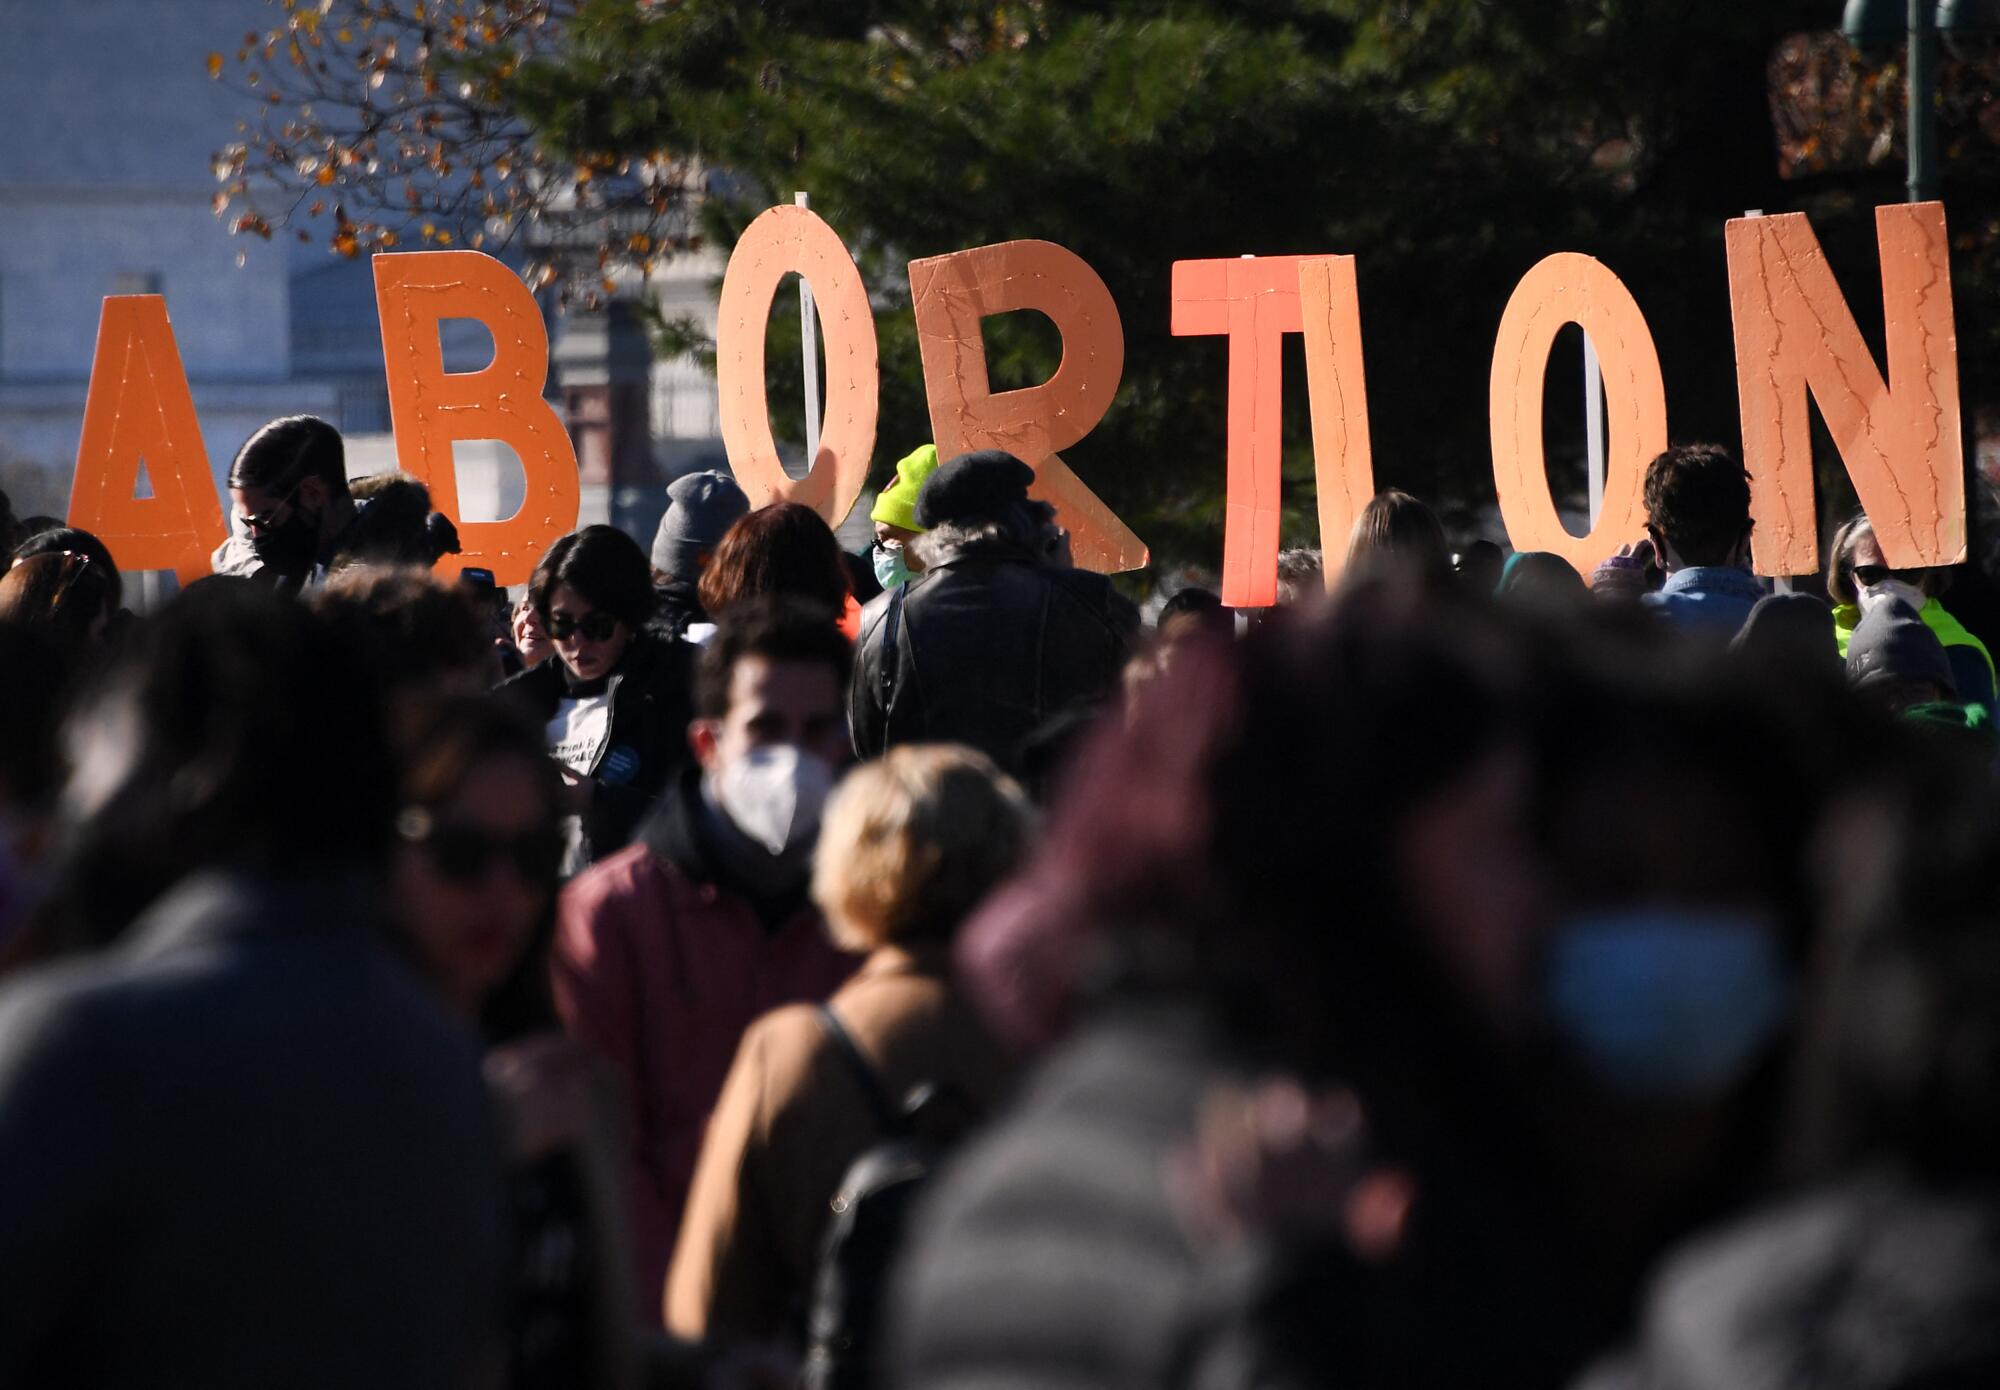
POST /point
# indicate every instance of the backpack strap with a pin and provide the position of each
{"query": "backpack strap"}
(892, 621)
(887, 1115)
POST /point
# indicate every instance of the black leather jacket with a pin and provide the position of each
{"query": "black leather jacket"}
(988, 646)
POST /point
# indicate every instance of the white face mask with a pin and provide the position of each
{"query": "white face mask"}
(774, 794)
(1876, 595)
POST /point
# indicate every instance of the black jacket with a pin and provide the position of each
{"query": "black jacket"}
(652, 700)
(245, 1148)
(676, 604)
(987, 646)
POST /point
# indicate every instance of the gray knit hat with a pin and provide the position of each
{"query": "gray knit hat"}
(700, 507)
(1893, 644)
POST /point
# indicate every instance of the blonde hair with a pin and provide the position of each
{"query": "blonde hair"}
(912, 842)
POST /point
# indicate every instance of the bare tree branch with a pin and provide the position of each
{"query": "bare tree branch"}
(373, 125)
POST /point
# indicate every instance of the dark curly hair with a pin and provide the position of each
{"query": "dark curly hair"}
(1698, 502)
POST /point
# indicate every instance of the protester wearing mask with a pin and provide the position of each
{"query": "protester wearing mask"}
(1000, 636)
(616, 699)
(701, 507)
(1469, 991)
(288, 494)
(1870, 1266)
(895, 518)
(668, 950)
(1858, 580)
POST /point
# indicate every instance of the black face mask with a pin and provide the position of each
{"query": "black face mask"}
(289, 549)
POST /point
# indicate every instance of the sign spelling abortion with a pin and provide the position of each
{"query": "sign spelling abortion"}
(1898, 433)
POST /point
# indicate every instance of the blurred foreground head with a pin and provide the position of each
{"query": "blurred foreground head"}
(233, 730)
(1359, 841)
(1246, 841)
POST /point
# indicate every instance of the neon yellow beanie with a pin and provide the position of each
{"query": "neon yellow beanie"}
(896, 505)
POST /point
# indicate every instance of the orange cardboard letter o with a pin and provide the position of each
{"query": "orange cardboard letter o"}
(784, 240)
(1571, 288)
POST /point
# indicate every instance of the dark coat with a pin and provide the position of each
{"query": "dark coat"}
(1874, 1284)
(989, 646)
(1053, 1252)
(1049, 1253)
(676, 604)
(244, 1148)
(652, 701)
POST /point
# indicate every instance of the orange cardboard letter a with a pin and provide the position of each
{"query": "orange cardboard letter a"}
(138, 410)
(429, 408)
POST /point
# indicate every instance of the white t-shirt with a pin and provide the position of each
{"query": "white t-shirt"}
(577, 734)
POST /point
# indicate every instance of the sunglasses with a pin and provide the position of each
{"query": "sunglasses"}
(269, 520)
(595, 626)
(74, 565)
(1870, 575)
(466, 854)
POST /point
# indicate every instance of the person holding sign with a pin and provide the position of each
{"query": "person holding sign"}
(288, 488)
(1698, 520)
(616, 698)
(1859, 581)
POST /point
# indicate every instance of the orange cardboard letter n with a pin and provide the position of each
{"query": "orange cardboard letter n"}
(1899, 438)
(430, 407)
(138, 410)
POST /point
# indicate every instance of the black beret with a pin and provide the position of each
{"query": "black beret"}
(973, 487)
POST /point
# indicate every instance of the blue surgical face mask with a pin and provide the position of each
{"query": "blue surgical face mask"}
(1667, 1003)
(890, 569)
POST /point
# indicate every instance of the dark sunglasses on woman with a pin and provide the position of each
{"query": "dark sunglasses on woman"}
(466, 854)
(595, 627)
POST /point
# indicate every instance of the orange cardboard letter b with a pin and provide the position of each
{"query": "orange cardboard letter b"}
(429, 408)
(138, 411)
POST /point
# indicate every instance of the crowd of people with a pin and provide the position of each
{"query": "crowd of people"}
(742, 963)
